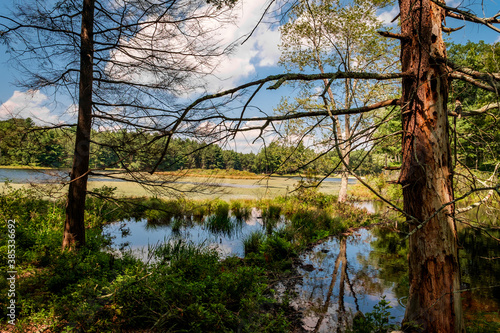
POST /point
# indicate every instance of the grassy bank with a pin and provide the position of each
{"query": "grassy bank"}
(187, 288)
(217, 173)
(199, 188)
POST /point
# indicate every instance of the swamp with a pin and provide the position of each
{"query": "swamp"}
(240, 261)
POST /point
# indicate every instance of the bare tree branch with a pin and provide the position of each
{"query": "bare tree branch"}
(468, 16)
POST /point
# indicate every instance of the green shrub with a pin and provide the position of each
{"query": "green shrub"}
(276, 248)
(376, 321)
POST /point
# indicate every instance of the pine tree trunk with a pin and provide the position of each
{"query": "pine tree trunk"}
(426, 176)
(74, 227)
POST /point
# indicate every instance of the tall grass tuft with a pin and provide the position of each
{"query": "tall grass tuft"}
(175, 250)
(252, 243)
(220, 222)
(271, 215)
(240, 210)
(177, 225)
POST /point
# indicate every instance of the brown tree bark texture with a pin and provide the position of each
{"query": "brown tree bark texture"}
(74, 227)
(426, 175)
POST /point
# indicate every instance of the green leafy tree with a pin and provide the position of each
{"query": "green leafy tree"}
(478, 137)
(328, 35)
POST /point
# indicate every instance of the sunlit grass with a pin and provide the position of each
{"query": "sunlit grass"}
(227, 189)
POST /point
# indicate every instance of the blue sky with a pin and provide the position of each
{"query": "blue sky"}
(257, 58)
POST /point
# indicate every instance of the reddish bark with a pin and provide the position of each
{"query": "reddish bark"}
(426, 174)
(74, 227)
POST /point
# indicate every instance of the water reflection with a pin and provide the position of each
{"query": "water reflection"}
(480, 266)
(140, 235)
(341, 277)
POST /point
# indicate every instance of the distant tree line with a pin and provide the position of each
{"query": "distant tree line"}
(22, 143)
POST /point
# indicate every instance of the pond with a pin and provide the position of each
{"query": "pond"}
(139, 236)
(56, 175)
(343, 275)
(33, 175)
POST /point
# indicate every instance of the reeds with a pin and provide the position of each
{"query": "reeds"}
(252, 243)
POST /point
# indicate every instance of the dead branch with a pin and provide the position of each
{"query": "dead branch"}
(468, 16)
(483, 200)
(392, 35)
(450, 30)
(471, 80)
(482, 110)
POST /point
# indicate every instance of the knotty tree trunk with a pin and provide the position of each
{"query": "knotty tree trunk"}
(426, 176)
(74, 227)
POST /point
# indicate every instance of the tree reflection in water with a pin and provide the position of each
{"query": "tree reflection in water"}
(340, 278)
(350, 274)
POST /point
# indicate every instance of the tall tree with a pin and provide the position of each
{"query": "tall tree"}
(130, 60)
(426, 173)
(74, 227)
(326, 35)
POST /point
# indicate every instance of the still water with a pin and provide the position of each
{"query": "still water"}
(343, 275)
(42, 176)
(59, 175)
(139, 236)
(33, 175)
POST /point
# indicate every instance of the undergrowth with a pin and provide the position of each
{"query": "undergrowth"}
(187, 288)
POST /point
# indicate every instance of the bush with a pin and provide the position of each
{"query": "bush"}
(376, 321)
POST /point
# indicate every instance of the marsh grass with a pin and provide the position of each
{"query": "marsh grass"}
(271, 212)
(241, 209)
(187, 288)
(218, 173)
(252, 243)
(271, 216)
(219, 221)
(177, 224)
(173, 250)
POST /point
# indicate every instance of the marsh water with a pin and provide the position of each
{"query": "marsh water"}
(53, 175)
(338, 277)
(32, 175)
(139, 237)
(342, 275)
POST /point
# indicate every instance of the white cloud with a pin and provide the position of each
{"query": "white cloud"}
(32, 104)
(388, 15)
(260, 50)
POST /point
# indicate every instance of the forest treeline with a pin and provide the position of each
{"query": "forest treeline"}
(476, 139)
(23, 143)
